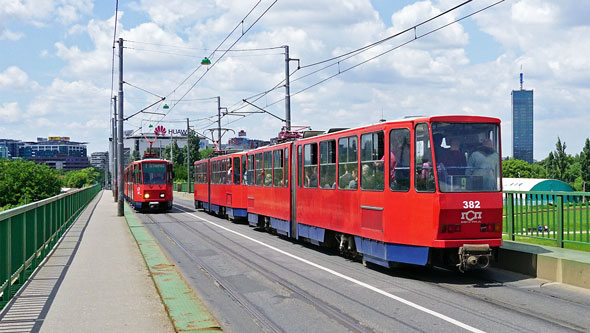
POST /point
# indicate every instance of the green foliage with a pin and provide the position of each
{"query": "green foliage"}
(514, 168)
(206, 153)
(538, 171)
(179, 156)
(558, 161)
(23, 182)
(585, 161)
(82, 178)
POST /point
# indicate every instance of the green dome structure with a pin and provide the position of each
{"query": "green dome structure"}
(533, 184)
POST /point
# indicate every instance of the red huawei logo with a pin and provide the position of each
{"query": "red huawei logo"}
(160, 130)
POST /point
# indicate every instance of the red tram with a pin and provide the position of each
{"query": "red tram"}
(219, 186)
(148, 184)
(424, 191)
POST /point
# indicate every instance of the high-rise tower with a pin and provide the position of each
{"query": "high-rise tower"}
(522, 123)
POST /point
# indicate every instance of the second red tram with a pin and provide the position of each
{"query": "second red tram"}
(423, 191)
(148, 184)
(219, 185)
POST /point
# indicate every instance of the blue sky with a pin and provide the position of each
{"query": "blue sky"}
(55, 70)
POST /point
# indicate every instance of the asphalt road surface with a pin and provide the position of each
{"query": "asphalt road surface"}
(253, 281)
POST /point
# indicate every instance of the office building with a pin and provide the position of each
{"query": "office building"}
(99, 159)
(522, 123)
(12, 147)
(56, 152)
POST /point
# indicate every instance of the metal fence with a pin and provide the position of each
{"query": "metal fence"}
(560, 218)
(182, 187)
(28, 233)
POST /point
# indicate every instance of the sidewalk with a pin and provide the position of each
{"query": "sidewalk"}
(95, 281)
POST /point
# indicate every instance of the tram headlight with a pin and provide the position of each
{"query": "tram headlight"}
(146, 195)
(162, 195)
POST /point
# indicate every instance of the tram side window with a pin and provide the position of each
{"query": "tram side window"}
(228, 171)
(217, 172)
(267, 175)
(244, 170)
(259, 170)
(236, 170)
(347, 163)
(310, 168)
(399, 159)
(299, 167)
(424, 177)
(328, 164)
(372, 161)
(251, 170)
(277, 176)
(286, 165)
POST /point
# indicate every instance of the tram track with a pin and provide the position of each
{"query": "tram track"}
(263, 321)
(477, 280)
(323, 307)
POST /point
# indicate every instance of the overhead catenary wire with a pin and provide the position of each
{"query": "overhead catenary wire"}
(356, 52)
(244, 32)
(201, 49)
(366, 47)
(219, 46)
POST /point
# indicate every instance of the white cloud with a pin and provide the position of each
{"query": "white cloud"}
(10, 112)
(14, 78)
(41, 12)
(10, 35)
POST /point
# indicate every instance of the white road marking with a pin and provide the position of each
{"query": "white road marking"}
(355, 281)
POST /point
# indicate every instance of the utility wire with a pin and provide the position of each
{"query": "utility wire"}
(352, 54)
(136, 87)
(201, 49)
(226, 37)
(224, 53)
(366, 47)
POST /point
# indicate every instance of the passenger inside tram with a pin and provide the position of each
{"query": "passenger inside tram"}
(466, 156)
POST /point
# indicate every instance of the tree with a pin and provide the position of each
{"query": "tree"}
(206, 153)
(515, 168)
(558, 161)
(82, 178)
(585, 162)
(538, 171)
(23, 182)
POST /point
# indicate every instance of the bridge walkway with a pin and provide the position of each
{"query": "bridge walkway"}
(95, 280)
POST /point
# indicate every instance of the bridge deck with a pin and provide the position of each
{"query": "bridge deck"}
(95, 280)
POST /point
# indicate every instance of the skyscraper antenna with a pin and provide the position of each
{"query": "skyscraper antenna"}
(521, 77)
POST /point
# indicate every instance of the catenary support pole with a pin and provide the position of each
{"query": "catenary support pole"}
(219, 122)
(188, 158)
(287, 93)
(120, 133)
(115, 178)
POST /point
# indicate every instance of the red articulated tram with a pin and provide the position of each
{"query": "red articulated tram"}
(148, 184)
(220, 187)
(424, 190)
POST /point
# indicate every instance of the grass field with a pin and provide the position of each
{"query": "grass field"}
(538, 222)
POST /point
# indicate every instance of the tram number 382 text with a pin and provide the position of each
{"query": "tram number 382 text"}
(471, 204)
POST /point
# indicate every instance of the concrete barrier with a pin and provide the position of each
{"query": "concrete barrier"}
(549, 263)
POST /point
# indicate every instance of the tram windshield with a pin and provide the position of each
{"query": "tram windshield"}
(466, 155)
(154, 173)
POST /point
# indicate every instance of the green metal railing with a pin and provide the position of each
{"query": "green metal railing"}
(560, 219)
(182, 187)
(28, 233)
